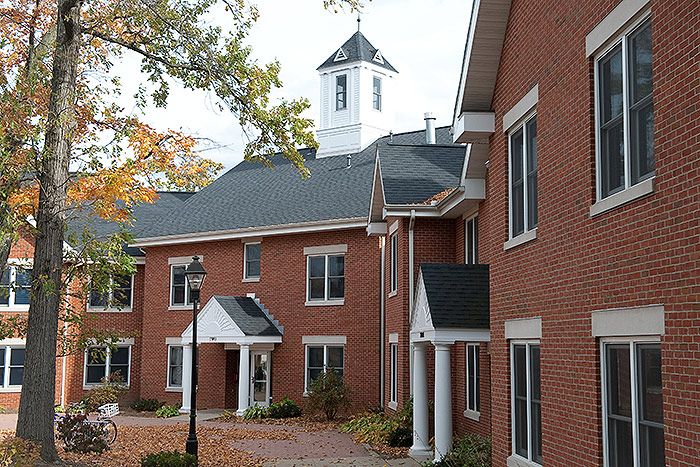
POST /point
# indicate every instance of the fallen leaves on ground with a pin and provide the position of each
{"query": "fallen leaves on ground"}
(305, 423)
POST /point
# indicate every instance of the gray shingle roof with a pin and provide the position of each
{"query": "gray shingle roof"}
(356, 49)
(250, 195)
(246, 313)
(458, 294)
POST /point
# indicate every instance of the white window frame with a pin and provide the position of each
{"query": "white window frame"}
(472, 412)
(393, 263)
(326, 300)
(246, 277)
(11, 306)
(475, 240)
(633, 342)
(527, 343)
(645, 185)
(108, 364)
(179, 306)
(394, 375)
(168, 386)
(325, 360)
(110, 308)
(345, 92)
(5, 383)
(527, 233)
(377, 95)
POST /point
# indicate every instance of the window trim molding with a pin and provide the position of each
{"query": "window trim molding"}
(524, 328)
(516, 459)
(10, 344)
(393, 264)
(521, 110)
(516, 240)
(344, 92)
(338, 249)
(245, 261)
(327, 301)
(475, 238)
(626, 12)
(325, 346)
(113, 309)
(168, 386)
(472, 413)
(645, 320)
(108, 363)
(13, 264)
(393, 375)
(641, 189)
(379, 100)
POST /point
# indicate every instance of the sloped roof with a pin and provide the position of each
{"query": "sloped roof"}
(356, 49)
(248, 316)
(458, 294)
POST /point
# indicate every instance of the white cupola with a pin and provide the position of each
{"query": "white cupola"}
(356, 98)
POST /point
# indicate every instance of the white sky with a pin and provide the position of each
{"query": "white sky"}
(423, 39)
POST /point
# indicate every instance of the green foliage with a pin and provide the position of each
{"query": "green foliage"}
(286, 408)
(470, 451)
(169, 459)
(146, 405)
(328, 394)
(18, 452)
(109, 391)
(254, 412)
(168, 411)
(400, 437)
(78, 435)
(370, 428)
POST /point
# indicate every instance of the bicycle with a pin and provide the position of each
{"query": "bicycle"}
(104, 421)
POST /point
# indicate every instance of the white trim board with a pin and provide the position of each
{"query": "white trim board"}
(635, 321)
(324, 340)
(526, 328)
(326, 249)
(625, 12)
(521, 109)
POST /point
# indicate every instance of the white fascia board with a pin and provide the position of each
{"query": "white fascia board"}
(474, 126)
(268, 231)
(376, 228)
(625, 12)
(465, 63)
(376, 179)
(404, 210)
(450, 336)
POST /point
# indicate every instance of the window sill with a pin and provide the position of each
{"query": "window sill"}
(519, 461)
(87, 387)
(325, 303)
(180, 308)
(520, 239)
(393, 294)
(14, 309)
(251, 279)
(109, 310)
(11, 389)
(472, 415)
(173, 389)
(623, 197)
(392, 405)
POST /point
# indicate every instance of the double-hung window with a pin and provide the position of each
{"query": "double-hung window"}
(341, 92)
(15, 285)
(323, 358)
(377, 93)
(118, 298)
(179, 290)
(523, 177)
(625, 112)
(633, 422)
(11, 367)
(325, 278)
(251, 261)
(102, 363)
(473, 380)
(525, 401)
(471, 241)
(394, 362)
(394, 262)
(174, 366)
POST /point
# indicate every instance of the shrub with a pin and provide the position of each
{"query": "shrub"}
(286, 408)
(109, 391)
(80, 436)
(469, 451)
(328, 394)
(371, 428)
(255, 411)
(18, 452)
(168, 411)
(400, 437)
(169, 459)
(146, 405)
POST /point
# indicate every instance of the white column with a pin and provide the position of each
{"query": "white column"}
(421, 448)
(186, 377)
(243, 380)
(443, 401)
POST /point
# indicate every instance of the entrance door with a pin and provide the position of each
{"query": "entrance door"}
(260, 378)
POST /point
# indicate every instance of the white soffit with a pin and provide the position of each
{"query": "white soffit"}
(636, 321)
(610, 26)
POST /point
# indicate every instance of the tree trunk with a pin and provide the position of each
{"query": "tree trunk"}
(35, 420)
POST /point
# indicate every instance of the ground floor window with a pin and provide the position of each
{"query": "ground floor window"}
(101, 362)
(321, 358)
(525, 400)
(473, 378)
(175, 366)
(11, 366)
(394, 355)
(633, 404)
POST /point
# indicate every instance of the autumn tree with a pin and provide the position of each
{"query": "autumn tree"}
(65, 146)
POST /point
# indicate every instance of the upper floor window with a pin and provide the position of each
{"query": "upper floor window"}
(252, 261)
(15, 285)
(471, 241)
(341, 92)
(325, 278)
(523, 177)
(179, 291)
(473, 379)
(625, 112)
(119, 297)
(525, 399)
(394, 260)
(377, 93)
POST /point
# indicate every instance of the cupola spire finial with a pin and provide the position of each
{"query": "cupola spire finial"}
(358, 21)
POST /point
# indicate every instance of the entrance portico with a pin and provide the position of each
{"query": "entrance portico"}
(237, 323)
(452, 303)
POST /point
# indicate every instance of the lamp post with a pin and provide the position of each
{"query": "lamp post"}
(195, 274)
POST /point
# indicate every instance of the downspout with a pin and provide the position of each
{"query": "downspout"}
(382, 324)
(411, 225)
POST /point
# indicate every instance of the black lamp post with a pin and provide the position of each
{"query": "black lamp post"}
(195, 274)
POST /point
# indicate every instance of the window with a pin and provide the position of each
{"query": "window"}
(394, 271)
(341, 92)
(252, 261)
(118, 298)
(633, 407)
(625, 112)
(326, 277)
(471, 241)
(102, 362)
(526, 405)
(15, 284)
(321, 358)
(394, 355)
(473, 394)
(523, 177)
(174, 366)
(11, 366)
(377, 93)
(179, 291)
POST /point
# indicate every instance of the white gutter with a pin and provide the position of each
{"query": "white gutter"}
(411, 225)
(382, 324)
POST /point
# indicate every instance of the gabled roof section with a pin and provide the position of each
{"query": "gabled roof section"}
(358, 49)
